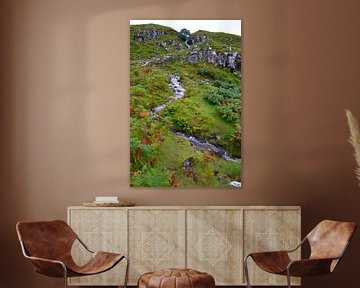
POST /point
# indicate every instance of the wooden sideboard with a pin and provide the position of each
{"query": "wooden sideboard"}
(213, 239)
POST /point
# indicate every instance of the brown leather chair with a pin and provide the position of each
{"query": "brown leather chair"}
(48, 245)
(328, 242)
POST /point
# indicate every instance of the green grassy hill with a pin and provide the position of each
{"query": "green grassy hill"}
(210, 110)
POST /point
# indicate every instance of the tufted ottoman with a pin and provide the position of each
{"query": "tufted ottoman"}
(176, 278)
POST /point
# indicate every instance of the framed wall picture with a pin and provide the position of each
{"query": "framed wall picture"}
(185, 103)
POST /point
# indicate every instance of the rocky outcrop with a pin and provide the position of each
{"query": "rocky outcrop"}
(226, 59)
(188, 43)
(230, 60)
(200, 50)
(199, 38)
(166, 44)
(149, 34)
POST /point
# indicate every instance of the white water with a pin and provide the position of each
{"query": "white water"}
(205, 145)
(179, 92)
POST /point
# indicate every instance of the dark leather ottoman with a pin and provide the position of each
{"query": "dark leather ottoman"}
(176, 278)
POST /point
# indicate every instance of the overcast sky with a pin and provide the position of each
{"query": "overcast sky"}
(227, 26)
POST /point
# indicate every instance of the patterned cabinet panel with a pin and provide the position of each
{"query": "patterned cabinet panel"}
(156, 240)
(214, 244)
(269, 230)
(101, 230)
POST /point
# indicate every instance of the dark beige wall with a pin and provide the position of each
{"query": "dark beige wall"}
(65, 112)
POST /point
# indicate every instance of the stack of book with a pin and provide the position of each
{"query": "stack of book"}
(106, 199)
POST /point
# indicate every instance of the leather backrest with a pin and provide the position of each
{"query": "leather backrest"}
(329, 238)
(46, 239)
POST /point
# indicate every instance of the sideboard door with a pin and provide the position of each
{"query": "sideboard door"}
(214, 244)
(270, 230)
(156, 240)
(101, 230)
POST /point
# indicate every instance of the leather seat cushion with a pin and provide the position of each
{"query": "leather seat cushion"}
(176, 278)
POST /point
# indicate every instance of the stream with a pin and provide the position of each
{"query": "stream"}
(205, 145)
(179, 92)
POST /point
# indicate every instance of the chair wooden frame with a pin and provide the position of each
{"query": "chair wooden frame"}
(59, 268)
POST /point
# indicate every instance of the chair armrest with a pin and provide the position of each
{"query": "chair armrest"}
(83, 244)
(309, 267)
(298, 246)
(281, 251)
(268, 253)
(48, 267)
(271, 261)
(45, 260)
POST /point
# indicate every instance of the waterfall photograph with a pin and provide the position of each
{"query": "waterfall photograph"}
(185, 103)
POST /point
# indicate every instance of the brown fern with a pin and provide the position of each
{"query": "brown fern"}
(354, 140)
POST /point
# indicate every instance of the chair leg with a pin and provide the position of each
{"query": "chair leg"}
(246, 270)
(288, 278)
(65, 276)
(127, 270)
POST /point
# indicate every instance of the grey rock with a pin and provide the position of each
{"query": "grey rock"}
(187, 164)
(222, 59)
(199, 38)
(193, 57)
(149, 34)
